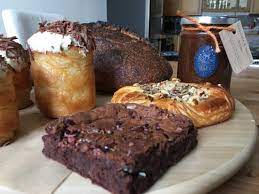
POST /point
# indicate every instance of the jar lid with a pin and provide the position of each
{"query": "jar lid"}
(211, 20)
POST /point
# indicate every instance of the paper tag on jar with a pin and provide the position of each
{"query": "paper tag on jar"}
(237, 48)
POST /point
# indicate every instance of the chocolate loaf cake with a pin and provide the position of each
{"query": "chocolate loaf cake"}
(123, 58)
(123, 148)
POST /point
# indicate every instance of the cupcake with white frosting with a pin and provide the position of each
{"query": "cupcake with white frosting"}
(9, 116)
(62, 69)
(18, 59)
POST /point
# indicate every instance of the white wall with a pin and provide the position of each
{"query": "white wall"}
(79, 10)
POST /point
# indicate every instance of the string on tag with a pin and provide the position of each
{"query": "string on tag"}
(207, 29)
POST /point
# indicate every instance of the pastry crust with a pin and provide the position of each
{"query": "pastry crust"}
(217, 106)
(64, 81)
(23, 86)
(122, 58)
(9, 116)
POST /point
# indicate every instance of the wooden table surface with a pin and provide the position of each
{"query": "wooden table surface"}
(245, 88)
(222, 150)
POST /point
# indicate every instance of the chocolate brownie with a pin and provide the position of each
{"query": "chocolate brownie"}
(123, 148)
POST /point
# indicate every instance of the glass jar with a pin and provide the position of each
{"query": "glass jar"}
(198, 60)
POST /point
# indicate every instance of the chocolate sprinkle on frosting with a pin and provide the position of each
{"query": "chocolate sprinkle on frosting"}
(14, 50)
(80, 33)
(3, 65)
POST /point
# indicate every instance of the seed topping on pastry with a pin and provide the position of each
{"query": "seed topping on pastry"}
(182, 92)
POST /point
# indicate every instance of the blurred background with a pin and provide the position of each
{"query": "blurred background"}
(155, 20)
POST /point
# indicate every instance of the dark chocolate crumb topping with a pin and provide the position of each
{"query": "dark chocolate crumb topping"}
(79, 32)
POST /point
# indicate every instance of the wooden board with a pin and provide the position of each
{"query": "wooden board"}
(222, 150)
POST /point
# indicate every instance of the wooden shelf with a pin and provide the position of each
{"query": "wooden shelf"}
(237, 8)
(226, 10)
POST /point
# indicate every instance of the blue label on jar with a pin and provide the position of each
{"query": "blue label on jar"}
(205, 61)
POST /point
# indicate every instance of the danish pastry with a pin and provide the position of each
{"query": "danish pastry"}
(205, 104)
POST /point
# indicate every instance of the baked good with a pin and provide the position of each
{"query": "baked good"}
(205, 104)
(62, 70)
(123, 58)
(18, 59)
(123, 148)
(9, 116)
